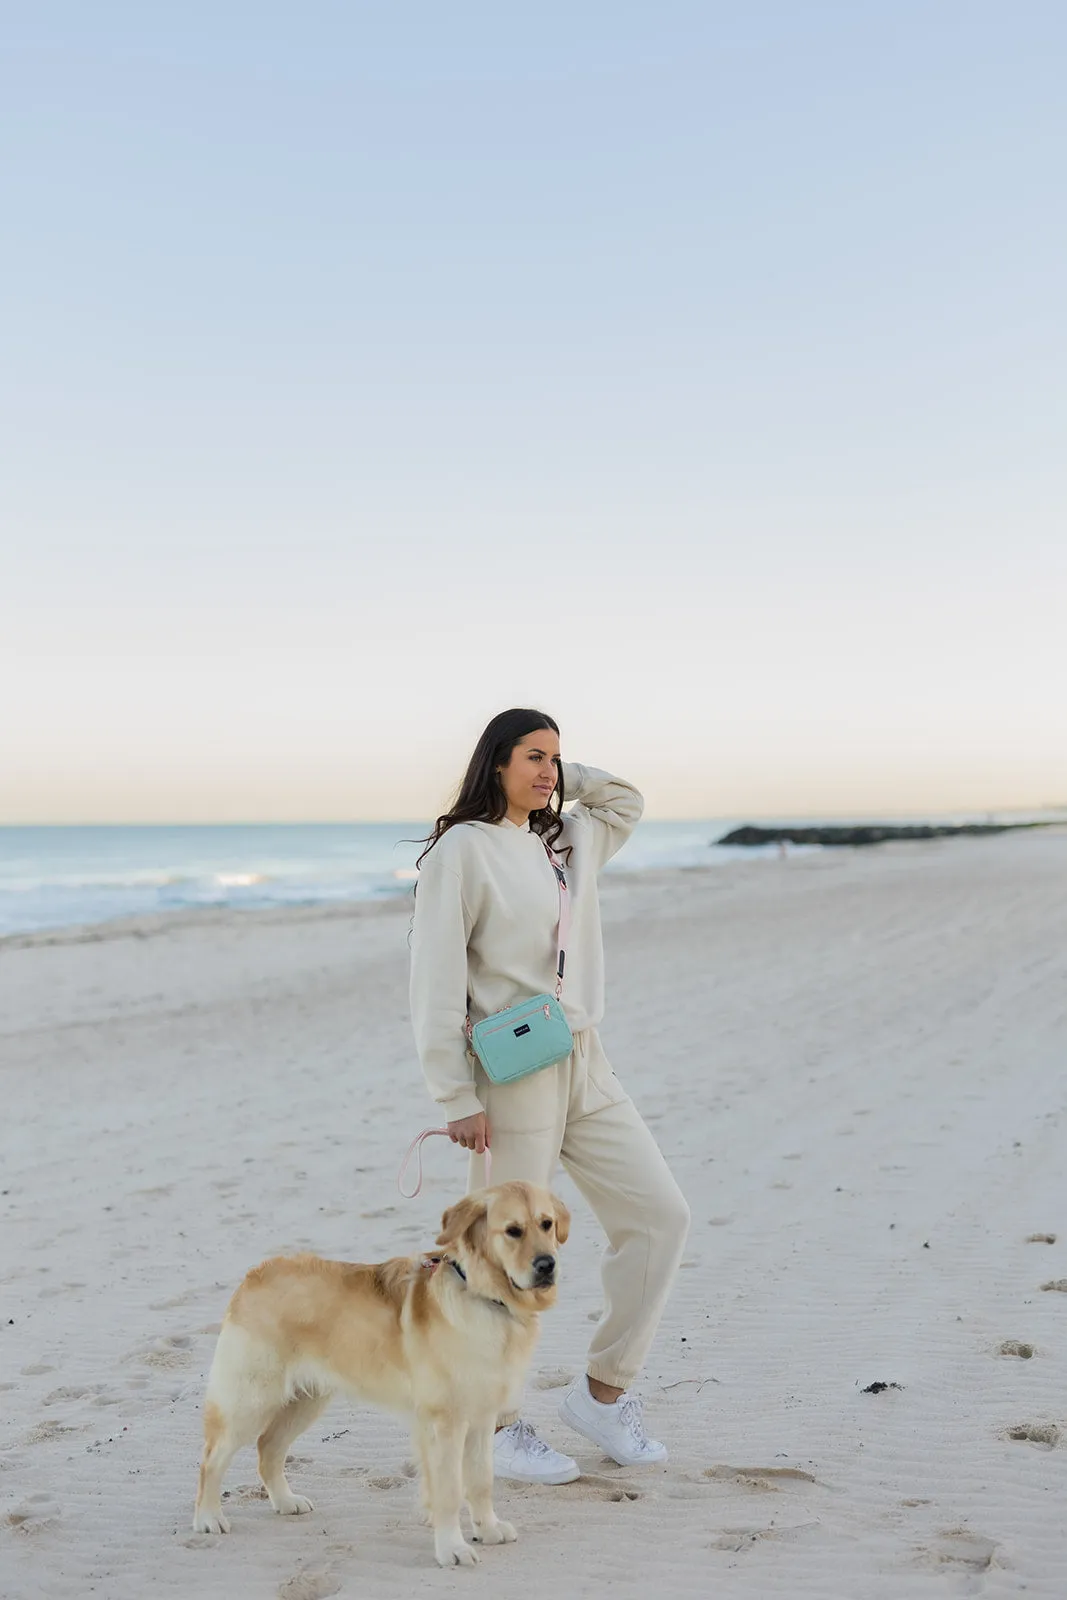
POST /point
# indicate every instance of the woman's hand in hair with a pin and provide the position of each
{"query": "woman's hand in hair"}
(471, 1132)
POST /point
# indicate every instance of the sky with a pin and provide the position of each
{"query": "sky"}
(694, 372)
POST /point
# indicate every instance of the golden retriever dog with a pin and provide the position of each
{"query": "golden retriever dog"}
(448, 1339)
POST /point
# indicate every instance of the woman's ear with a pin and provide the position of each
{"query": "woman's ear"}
(460, 1219)
(563, 1220)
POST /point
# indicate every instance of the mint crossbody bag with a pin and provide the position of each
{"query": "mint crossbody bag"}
(533, 1033)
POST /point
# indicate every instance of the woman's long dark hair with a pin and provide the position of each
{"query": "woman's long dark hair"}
(481, 795)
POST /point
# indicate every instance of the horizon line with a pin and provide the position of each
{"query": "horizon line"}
(404, 822)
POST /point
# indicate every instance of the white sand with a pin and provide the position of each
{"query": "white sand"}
(855, 1063)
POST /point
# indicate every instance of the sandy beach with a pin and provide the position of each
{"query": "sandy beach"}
(854, 1062)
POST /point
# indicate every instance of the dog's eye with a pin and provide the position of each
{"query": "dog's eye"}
(546, 1224)
(514, 1232)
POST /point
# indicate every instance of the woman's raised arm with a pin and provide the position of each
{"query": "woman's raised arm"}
(610, 807)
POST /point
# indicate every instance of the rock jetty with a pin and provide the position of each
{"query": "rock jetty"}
(866, 833)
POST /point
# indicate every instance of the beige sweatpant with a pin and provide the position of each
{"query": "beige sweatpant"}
(577, 1112)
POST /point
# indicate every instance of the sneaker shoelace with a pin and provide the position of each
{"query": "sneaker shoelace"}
(631, 1418)
(527, 1441)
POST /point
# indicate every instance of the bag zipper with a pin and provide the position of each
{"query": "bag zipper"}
(517, 1016)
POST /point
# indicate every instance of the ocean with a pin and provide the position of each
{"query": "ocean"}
(55, 877)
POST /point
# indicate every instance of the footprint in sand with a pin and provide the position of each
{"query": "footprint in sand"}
(1041, 1238)
(1043, 1433)
(599, 1486)
(759, 1477)
(50, 1430)
(316, 1585)
(35, 1513)
(553, 1378)
(388, 1481)
(245, 1491)
(169, 1351)
(735, 1539)
(1057, 1284)
(1015, 1347)
(757, 1485)
(962, 1548)
(68, 1393)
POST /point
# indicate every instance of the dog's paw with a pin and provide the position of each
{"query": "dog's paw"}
(293, 1505)
(495, 1533)
(210, 1522)
(454, 1552)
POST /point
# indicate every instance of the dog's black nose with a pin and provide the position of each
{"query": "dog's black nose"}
(544, 1266)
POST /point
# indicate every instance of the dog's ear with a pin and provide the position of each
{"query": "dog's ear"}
(461, 1218)
(563, 1219)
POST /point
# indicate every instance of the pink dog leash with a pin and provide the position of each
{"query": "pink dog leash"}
(415, 1149)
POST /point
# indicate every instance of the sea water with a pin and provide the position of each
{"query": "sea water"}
(53, 877)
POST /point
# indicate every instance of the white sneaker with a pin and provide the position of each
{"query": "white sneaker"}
(618, 1428)
(519, 1453)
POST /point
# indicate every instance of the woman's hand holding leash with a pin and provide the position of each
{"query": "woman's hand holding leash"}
(472, 1133)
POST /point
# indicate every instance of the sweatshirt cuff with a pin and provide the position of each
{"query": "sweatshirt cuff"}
(574, 777)
(464, 1103)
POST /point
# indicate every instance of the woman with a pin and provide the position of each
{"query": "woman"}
(486, 917)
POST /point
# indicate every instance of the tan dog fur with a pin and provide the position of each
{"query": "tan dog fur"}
(406, 1335)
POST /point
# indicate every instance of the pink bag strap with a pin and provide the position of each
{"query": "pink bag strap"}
(415, 1149)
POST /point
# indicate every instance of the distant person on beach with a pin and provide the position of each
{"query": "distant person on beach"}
(487, 911)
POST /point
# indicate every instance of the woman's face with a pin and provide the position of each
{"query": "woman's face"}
(530, 775)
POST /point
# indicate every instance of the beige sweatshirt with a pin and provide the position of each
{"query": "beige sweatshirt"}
(486, 916)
